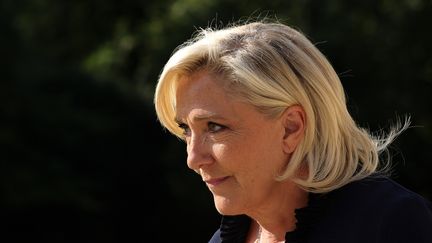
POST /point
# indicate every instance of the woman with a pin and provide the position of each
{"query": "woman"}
(264, 117)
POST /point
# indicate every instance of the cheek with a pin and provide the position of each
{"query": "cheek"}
(241, 157)
(248, 152)
(264, 152)
(232, 157)
(226, 153)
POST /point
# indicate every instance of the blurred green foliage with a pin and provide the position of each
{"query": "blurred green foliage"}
(82, 156)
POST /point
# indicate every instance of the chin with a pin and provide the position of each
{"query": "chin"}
(226, 206)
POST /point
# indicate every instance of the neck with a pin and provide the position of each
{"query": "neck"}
(277, 215)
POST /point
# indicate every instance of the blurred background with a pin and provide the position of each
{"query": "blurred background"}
(82, 156)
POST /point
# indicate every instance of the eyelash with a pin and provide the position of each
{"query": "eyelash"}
(185, 128)
(210, 127)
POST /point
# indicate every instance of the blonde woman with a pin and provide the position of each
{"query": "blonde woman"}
(266, 126)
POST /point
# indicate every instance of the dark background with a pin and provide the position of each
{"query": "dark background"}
(82, 156)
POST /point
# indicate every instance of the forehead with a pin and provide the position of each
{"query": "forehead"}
(200, 81)
(198, 87)
(203, 80)
(205, 95)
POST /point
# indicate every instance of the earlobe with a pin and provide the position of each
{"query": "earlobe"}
(293, 120)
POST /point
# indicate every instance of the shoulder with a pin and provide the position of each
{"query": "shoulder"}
(407, 218)
(378, 208)
(378, 190)
(379, 195)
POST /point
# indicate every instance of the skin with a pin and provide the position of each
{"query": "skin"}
(238, 152)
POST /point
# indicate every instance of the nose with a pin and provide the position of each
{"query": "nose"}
(198, 152)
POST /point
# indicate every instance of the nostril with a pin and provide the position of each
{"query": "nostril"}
(198, 153)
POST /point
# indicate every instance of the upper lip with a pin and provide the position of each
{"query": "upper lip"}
(214, 180)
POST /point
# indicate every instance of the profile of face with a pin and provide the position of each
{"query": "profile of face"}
(237, 150)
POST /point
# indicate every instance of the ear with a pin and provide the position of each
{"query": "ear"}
(294, 122)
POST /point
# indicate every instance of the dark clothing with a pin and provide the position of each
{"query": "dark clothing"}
(372, 210)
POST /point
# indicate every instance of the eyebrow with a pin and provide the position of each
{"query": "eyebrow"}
(202, 117)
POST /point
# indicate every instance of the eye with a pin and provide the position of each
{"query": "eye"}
(214, 127)
(185, 128)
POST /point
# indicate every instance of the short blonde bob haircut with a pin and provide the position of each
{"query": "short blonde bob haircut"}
(273, 66)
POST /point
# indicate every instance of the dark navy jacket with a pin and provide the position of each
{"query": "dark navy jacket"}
(372, 210)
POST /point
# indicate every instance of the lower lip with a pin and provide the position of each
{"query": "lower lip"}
(216, 182)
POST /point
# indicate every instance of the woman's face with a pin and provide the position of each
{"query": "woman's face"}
(236, 149)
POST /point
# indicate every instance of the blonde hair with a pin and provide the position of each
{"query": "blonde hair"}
(273, 66)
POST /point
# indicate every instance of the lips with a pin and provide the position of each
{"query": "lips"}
(216, 181)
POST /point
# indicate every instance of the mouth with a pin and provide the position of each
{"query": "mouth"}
(216, 181)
